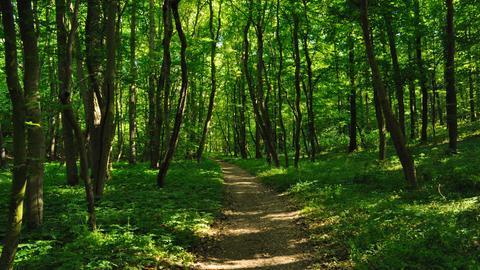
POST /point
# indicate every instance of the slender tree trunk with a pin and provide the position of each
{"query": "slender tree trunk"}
(258, 141)
(65, 42)
(69, 148)
(280, 86)
(153, 131)
(262, 105)
(261, 115)
(36, 140)
(412, 103)
(397, 76)
(213, 36)
(421, 72)
(19, 182)
(3, 152)
(471, 96)
(103, 98)
(298, 113)
(353, 95)
(312, 134)
(450, 79)
(382, 141)
(183, 93)
(132, 98)
(393, 126)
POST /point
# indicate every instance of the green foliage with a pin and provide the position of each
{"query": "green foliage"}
(139, 225)
(360, 215)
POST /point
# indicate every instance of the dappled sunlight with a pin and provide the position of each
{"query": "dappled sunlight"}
(259, 230)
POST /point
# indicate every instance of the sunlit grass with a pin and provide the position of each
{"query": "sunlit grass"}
(140, 226)
(360, 214)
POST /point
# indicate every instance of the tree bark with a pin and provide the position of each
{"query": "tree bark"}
(412, 102)
(68, 141)
(312, 134)
(471, 96)
(397, 76)
(450, 79)
(183, 94)
(101, 99)
(3, 152)
(421, 71)
(154, 136)
(19, 176)
(298, 113)
(65, 40)
(132, 98)
(36, 140)
(280, 87)
(213, 80)
(353, 95)
(392, 124)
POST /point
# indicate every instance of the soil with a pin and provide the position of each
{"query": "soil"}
(260, 229)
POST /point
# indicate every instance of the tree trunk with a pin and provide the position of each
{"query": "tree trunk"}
(69, 148)
(421, 71)
(312, 134)
(3, 152)
(65, 42)
(393, 126)
(261, 115)
(132, 98)
(36, 140)
(397, 76)
(280, 86)
(214, 37)
(298, 113)
(154, 136)
(450, 79)
(101, 99)
(471, 95)
(265, 122)
(19, 183)
(183, 92)
(19, 174)
(412, 102)
(353, 95)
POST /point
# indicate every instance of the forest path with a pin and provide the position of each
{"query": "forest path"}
(260, 230)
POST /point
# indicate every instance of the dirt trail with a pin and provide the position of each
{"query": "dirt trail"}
(260, 229)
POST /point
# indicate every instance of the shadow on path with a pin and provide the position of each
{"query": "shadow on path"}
(260, 229)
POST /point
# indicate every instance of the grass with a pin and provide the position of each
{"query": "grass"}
(361, 216)
(140, 227)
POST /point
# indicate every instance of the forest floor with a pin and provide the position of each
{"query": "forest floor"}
(260, 228)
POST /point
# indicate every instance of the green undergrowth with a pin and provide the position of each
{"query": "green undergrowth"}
(361, 216)
(140, 226)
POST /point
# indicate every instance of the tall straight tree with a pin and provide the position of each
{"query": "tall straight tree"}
(3, 150)
(312, 134)
(214, 34)
(132, 95)
(421, 70)
(280, 85)
(153, 141)
(172, 8)
(353, 95)
(36, 140)
(450, 78)
(298, 112)
(398, 138)
(19, 183)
